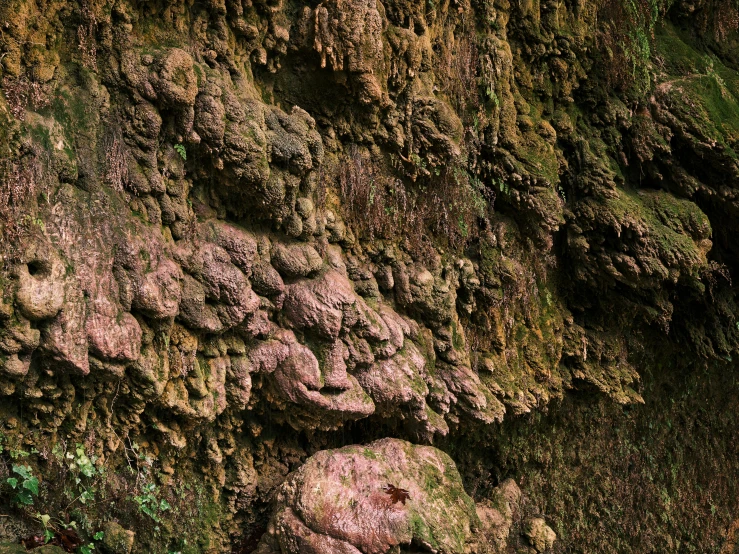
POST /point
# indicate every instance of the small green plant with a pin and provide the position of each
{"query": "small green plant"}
(61, 533)
(83, 469)
(491, 95)
(149, 504)
(37, 221)
(547, 298)
(417, 160)
(503, 186)
(716, 76)
(562, 193)
(372, 193)
(476, 194)
(85, 473)
(462, 226)
(25, 485)
(45, 520)
(633, 37)
(180, 149)
(52, 525)
(81, 461)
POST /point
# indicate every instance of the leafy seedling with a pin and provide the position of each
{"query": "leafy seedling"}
(25, 485)
(180, 149)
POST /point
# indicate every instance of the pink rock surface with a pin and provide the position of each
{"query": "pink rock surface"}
(296, 377)
(338, 501)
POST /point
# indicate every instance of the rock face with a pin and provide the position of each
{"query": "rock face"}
(236, 236)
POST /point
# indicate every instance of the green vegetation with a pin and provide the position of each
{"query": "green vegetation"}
(25, 485)
(423, 200)
(79, 493)
(641, 18)
(180, 149)
(149, 503)
(630, 27)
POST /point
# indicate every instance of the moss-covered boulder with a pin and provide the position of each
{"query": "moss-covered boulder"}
(372, 499)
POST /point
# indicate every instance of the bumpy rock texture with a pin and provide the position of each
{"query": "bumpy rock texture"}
(240, 235)
(338, 502)
(345, 501)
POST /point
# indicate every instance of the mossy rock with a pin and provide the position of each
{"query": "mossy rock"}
(345, 497)
(116, 539)
(703, 91)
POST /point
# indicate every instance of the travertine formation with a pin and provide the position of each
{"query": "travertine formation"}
(238, 236)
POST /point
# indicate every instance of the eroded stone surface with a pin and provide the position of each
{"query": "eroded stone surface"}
(218, 207)
(540, 535)
(337, 500)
